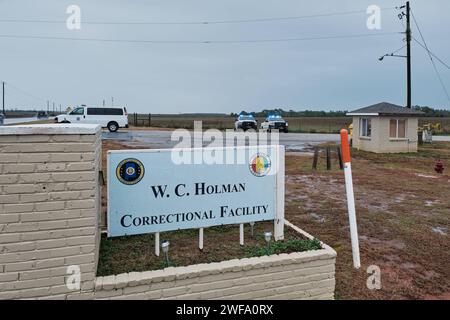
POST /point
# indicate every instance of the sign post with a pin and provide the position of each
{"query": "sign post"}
(150, 191)
(200, 238)
(350, 198)
(279, 216)
(157, 244)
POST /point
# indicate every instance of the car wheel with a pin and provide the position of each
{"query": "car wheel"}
(113, 126)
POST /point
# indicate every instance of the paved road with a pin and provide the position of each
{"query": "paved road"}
(162, 139)
(19, 120)
(441, 138)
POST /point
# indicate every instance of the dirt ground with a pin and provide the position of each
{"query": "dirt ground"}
(403, 213)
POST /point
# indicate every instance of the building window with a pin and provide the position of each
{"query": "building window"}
(397, 129)
(365, 127)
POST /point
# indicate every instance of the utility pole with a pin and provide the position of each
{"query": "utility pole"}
(112, 101)
(3, 83)
(48, 107)
(408, 53)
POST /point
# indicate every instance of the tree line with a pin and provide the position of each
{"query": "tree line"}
(429, 112)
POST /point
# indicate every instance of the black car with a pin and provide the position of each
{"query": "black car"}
(42, 115)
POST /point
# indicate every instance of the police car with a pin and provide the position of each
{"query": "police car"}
(245, 122)
(275, 122)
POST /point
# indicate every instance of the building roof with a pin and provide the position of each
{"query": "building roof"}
(385, 109)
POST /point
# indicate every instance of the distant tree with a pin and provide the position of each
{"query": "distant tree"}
(429, 112)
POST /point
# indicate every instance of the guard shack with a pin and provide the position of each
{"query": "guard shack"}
(385, 128)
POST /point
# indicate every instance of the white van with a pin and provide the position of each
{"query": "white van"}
(112, 118)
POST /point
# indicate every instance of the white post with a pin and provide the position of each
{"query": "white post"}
(157, 244)
(241, 234)
(279, 214)
(350, 198)
(200, 239)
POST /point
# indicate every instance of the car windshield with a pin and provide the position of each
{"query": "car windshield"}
(246, 117)
(274, 118)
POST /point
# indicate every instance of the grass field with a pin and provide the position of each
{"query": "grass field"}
(222, 122)
(296, 124)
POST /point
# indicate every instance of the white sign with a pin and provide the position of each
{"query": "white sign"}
(149, 193)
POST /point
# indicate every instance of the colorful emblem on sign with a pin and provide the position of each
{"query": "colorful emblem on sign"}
(130, 171)
(260, 165)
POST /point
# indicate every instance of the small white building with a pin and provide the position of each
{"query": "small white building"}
(385, 128)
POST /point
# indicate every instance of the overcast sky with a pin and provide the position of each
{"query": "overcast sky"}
(332, 74)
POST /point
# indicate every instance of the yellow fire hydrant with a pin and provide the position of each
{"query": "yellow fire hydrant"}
(350, 133)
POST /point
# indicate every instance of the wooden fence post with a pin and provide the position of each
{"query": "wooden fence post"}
(341, 165)
(328, 159)
(316, 158)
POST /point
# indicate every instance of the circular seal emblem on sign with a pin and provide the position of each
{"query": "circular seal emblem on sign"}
(260, 165)
(130, 171)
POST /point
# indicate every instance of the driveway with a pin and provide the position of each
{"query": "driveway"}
(162, 139)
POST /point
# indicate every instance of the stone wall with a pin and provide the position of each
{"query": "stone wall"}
(49, 208)
(305, 275)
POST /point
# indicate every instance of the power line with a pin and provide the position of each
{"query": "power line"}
(15, 98)
(206, 22)
(23, 96)
(25, 92)
(429, 51)
(18, 100)
(432, 60)
(399, 49)
(198, 42)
